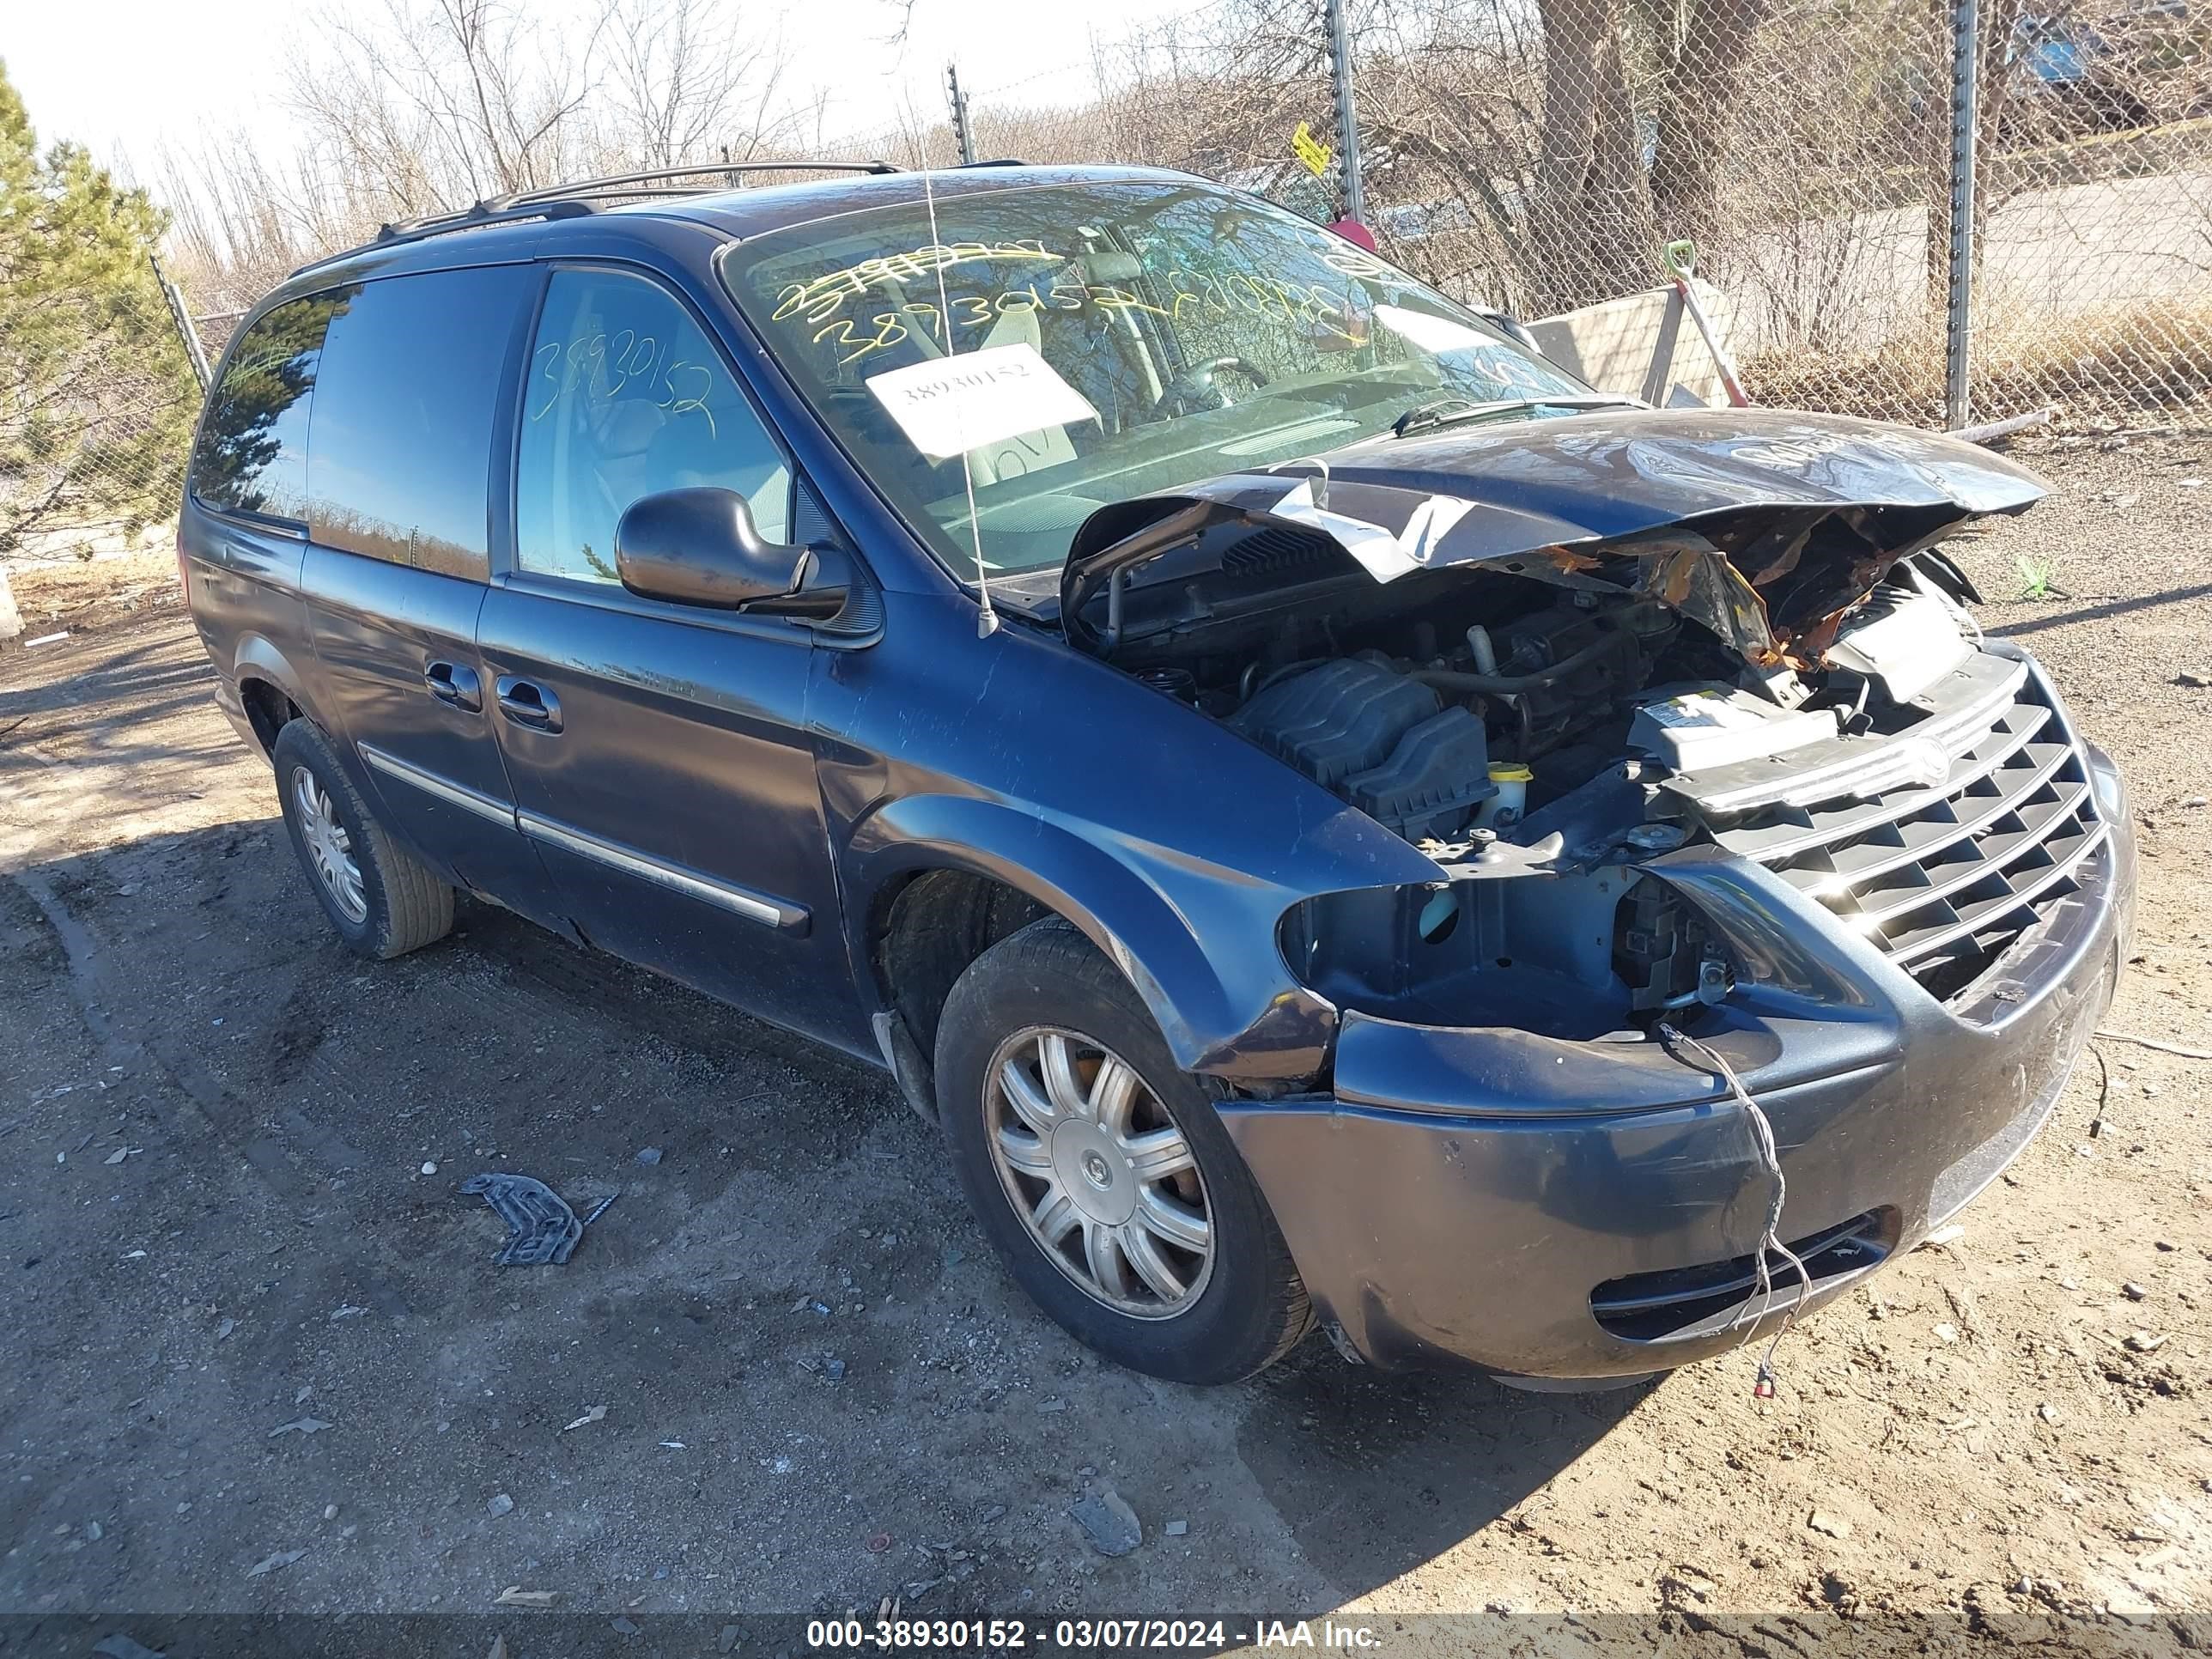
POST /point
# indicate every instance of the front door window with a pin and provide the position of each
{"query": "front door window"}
(626, 396)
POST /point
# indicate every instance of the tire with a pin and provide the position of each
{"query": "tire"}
(1127, 1279)
(393, 904)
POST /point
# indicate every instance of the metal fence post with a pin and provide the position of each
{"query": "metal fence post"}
(961, 135)
(1347, 124)
(186, 332)
(1965, 99)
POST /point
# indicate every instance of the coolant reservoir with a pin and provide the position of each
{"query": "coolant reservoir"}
(1695, 728)
(1510, 779)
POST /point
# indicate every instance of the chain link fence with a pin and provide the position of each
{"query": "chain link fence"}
(1535, 155)
(2094, 274)
(98, 406)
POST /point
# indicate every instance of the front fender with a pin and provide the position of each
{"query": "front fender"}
(1172, 842)
(1179, 928)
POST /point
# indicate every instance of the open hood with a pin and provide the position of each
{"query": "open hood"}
(1763, 525)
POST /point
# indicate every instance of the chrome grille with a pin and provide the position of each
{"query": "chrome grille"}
(1944, 877)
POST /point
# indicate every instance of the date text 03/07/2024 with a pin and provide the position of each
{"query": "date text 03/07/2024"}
(1086, 1635)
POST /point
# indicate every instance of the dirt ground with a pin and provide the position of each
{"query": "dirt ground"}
(250, 1320)
(61, 595)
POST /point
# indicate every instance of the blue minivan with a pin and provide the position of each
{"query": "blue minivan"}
(1341, 823)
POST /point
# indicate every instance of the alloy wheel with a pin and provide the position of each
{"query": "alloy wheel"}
(329, 847)
(1103, 1179)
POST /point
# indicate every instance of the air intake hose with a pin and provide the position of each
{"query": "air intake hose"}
(1505, 685)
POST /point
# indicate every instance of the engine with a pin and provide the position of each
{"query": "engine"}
(1503, 730)
(1380, 738)
(1578, 734)
(1446, 729)
(1412, 742)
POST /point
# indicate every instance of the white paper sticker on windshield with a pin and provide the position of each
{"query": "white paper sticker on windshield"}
(1431, 334)
(1384, 556)
(948, 405)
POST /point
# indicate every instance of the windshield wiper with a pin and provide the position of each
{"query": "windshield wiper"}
(1450, 411)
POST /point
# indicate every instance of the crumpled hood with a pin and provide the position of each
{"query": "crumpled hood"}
(1762, 523)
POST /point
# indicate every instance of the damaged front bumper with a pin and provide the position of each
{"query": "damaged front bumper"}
(1586, 1210)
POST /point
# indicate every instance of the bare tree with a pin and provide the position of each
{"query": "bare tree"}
(410, 107)
(237, 225)
(445, 100)
(1708, 52)
(685, 83)
(1532, 154)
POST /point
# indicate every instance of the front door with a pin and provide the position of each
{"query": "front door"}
(659, 754)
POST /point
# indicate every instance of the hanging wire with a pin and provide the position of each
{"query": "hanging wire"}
(1770, 1237)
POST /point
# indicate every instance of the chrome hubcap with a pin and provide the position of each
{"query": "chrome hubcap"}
(1100, 1174)
(329, 848)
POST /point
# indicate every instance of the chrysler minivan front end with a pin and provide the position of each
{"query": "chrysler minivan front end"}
(1734, 824)
(1589, 1210)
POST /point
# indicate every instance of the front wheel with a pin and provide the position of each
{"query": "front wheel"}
(1100, 1171)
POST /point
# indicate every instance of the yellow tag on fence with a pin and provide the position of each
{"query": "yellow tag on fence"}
(1315, 154)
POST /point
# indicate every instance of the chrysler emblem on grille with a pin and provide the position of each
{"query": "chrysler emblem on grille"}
(1920, 762)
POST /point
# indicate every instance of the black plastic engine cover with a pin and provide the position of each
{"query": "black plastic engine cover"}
(1339, 718)
(1438, 774)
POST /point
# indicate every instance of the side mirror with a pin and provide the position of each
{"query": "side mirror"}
(700, 546)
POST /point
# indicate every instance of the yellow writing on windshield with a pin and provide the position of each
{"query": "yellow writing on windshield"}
(1313, 305)
(1351, 259)
(1184, 295)
(823, 298)
(853, 339)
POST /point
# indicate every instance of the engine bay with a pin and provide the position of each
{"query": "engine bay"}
(1470, 714)
(1469, 730)
(1504, 724)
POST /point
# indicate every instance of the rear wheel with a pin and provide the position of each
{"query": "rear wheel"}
(1100, 1171)
(383, 900)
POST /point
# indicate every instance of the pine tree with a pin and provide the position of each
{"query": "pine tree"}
(96, 396)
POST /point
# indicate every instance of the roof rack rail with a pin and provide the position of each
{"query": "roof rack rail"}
(705, 169)
(436, 224)
(479, 213)
(573, 199)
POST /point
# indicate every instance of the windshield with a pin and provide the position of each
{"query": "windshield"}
(1118, 339)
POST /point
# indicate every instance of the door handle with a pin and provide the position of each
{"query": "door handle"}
(456, 683)
(527, 703)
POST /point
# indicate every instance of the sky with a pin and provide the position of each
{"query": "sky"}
(125, 76)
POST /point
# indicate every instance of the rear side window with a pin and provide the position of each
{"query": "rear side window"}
(251, 456)
(401, 466)
(625, 396)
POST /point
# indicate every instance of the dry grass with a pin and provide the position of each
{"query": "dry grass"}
(2147, 361)
(1900, 380)
(2151, 358)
